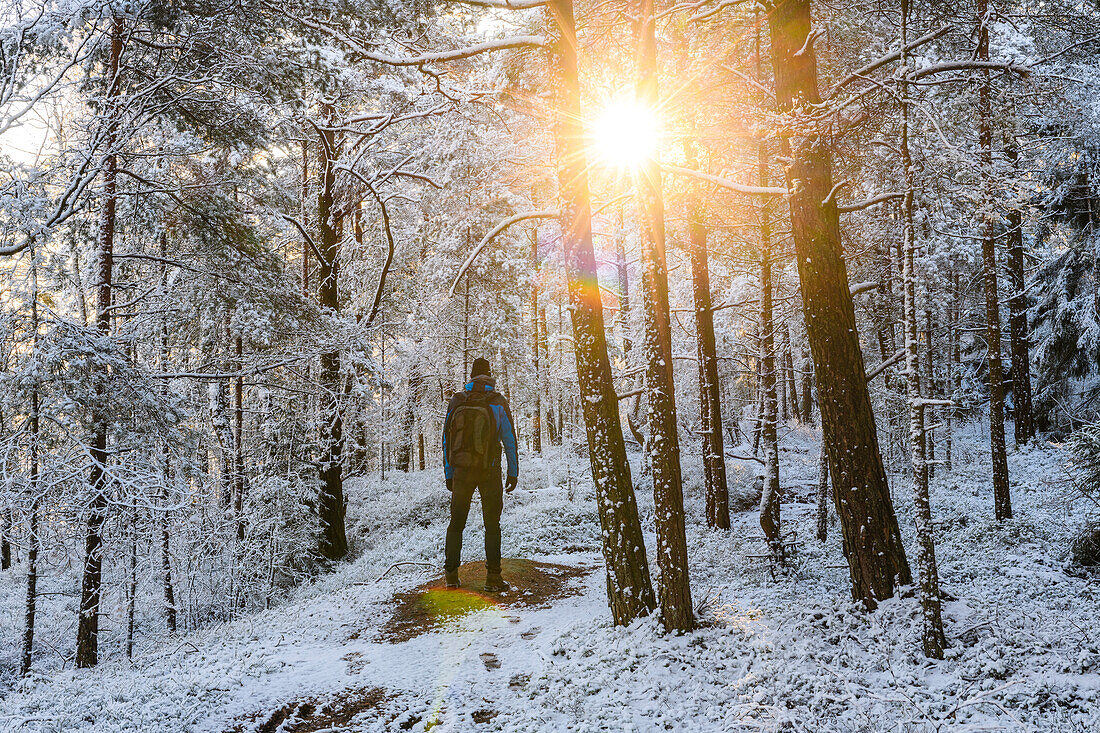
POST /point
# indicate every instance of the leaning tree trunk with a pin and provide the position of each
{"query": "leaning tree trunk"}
(1002, 499)
(629, 588)
(932, 634)
(710, 398)
(87, 630)
(1020, 370)
(872, 540)
(333, 543)
(673, 588)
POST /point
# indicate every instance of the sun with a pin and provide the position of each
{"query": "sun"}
(625, 133)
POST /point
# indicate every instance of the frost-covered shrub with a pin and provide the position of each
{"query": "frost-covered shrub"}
(745, 491)
(1085, 546)
(282, 534)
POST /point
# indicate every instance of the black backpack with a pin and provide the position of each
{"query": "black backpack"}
(473, 431)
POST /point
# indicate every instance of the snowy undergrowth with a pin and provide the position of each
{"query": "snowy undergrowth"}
(789, 654)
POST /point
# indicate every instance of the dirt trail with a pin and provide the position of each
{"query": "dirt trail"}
(428, 607)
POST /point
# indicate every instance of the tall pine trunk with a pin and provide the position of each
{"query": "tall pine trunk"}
(1020, 370)
(770, 516)
(1002, 499)
(710, 397)
(87, 630)
(932, 633)
(629, 588)
(30, 607)
(162, 516)
(872, 540)
(333, 543)
(674, 588)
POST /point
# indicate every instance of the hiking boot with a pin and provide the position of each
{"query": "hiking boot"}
(452, 578)
(496, 584)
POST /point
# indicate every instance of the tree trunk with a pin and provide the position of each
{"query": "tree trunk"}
(408, 426)
(131, 590)
(930, 390)
(807, 389)
(305, 218)
(30, 607)
(1020, 371)
(333, 543)
(1002, 499)
(87, 631)
(710, 398)
(823, 494)
(239, 483)
(673, 588)
(770, 515)
(629, 588)
(932, 632)
(872, 541)
(788, 373)
(5, 543)
(219, 418)
(536, 413)
(162, 515)
(953, 377)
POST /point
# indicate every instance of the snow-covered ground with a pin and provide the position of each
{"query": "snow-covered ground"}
(789, 654)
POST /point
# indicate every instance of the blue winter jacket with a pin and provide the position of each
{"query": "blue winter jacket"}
(506, 431)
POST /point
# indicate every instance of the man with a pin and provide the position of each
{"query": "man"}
(478, 422)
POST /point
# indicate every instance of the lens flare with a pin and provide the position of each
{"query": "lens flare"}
(625, 133)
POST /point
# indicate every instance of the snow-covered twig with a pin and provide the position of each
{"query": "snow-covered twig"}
(399, 564)
(882, 197)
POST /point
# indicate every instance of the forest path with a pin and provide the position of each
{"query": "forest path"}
(457, 648)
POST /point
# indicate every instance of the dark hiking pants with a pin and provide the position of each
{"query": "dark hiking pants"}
(489, 485)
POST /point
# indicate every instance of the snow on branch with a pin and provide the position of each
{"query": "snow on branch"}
(967, 66)
(500, 44)
(882, 197)
(724, 182)
(885, 365)
(927, 402)
(492, 234)
(858, 288)
(888, 58)
(503, 4)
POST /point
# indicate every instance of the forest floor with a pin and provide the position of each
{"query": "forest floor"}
(355, 651)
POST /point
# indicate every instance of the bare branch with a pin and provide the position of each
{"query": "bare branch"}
(723, 182)
(493, 233)
(389, 258)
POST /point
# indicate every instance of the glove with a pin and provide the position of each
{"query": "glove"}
(450, 483)
(510, 484)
